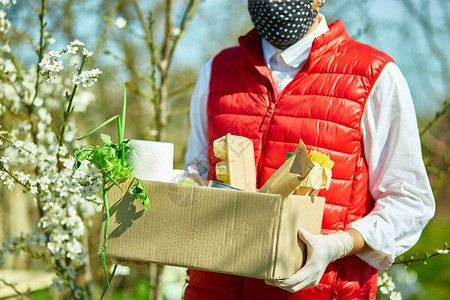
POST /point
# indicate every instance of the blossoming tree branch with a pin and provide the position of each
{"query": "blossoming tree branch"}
(37, 132)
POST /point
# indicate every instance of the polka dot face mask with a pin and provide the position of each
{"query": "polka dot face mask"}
(282, 22)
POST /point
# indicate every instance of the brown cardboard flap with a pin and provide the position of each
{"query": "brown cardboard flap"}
(287, 177)
(298, 212)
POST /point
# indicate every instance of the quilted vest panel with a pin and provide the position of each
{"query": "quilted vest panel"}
(323, 106)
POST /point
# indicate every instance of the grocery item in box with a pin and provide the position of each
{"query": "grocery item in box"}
(237, 167)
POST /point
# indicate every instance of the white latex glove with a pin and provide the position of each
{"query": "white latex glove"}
(321, 250)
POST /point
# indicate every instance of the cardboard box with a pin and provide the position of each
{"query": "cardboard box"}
(235, 232)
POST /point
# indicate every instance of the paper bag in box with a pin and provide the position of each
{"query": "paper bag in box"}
(235, 232)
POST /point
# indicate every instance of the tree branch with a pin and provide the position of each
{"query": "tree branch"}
(168, 33)
(436, 117)
(189, 12)
(40, 50)
(147, 31)
(181, 89)
(129, 66)
(13, 286)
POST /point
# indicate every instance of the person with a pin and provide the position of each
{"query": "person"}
(295, 76)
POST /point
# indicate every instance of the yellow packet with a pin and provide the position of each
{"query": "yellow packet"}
(318, 178)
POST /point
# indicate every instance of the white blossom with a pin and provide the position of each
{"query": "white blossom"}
(6, 66)
(63, 150)
(34, 190)
(72, 49)
(18, 144)
(9, 182)
(23, 178)
(78, 228)
(6, 48)
(87, 53)
(38, 102)
(24, 126)
(176, 31)
(440, 251)
(54, 54)
(87, 78)
(65, 212)
(395, 296)
(120, 22)
(384, 290)
(7, 3)
(76, 42)
(75, 248)
(58, 66)
(51, 65)
(5, 24)
(386, 286)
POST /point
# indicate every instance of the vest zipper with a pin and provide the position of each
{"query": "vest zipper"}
(264, 130)
(268, 118)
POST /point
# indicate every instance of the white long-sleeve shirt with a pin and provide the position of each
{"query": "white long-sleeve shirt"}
(398, 181)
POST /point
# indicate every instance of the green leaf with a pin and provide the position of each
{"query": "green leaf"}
(138, 190)
(105, 233)
(106, 139)
(75, 166)
(127, 147)
(135, 190)
(119, 131)
(109, 282)
(121, 153)
(124, 110)
(97, 158)
(81, 153)
(99, 127)
(115, 182)
(146, 203)
(109, 152)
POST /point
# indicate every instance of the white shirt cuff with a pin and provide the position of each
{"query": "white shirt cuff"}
(378, 258)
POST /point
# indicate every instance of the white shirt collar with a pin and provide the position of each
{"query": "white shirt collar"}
(294, 55)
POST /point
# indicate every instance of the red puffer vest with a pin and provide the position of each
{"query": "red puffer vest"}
(323, 106)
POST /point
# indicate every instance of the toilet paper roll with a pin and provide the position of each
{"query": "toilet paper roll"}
(151, 160)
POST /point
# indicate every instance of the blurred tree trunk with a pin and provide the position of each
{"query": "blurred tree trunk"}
(15, 218)
(161, 58)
